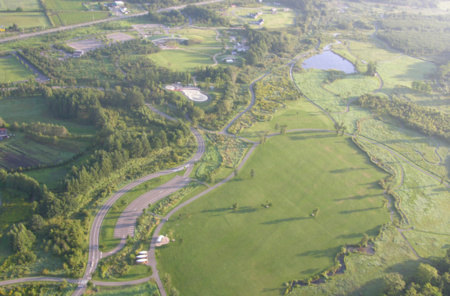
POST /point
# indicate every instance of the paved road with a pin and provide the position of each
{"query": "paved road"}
(126, 223)
(53, 30)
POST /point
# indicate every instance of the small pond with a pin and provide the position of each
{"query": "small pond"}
(328, 60)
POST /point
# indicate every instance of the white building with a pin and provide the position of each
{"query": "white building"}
(119, 3)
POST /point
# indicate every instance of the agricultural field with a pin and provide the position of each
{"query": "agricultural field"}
(12, 70)
(19, 151)
(181, 60)
(243, 241)
(24, 19)
(66, 18)
(24, 4)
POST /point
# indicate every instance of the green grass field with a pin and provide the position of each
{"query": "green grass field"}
(254, 250)
(279, 20)
(24, 19)
(24, 4)
(204, 37)
(180, 60)
(107, 240)
(134, 290)
(12, 70)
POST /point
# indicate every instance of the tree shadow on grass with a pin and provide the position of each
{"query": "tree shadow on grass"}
(246, 210)
(360, 210)
(285, 220)
(306, 137)
(218, 210)
(340, 171)
(320, 253)
(358, 197)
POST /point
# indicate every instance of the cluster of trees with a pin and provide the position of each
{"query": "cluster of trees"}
(206, 16)
(427, 280)
(170, 18)
(421, 86)
(428, 121)
(416, 34)
(34, 289)
(262, 41)
(22, 241)
(46, 129)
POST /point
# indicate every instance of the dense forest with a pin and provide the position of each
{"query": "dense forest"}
(427, 121)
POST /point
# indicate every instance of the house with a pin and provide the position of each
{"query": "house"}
(229, 61)
(3, 133)
(233, 6)
(77, 53)
(260, 1)
(253, 16)
(286, 9)
(119, 3)
(274, 10)
(260, 22)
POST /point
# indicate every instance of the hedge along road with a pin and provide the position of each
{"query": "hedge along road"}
(29, 35)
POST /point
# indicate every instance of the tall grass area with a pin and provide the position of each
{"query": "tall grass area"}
(253, 250)
(107, 240)
(12, 70)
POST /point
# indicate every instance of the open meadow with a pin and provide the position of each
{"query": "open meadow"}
(180, 60)
(296, 173)
(12, 70)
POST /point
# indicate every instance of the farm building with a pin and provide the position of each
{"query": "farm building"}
(260, 22)
(119, 3)
(77, 53)
(3, 133)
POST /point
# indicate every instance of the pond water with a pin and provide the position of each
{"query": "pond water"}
(328, 60)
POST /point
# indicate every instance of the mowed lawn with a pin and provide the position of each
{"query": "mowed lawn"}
(254, 250)
(24, 19)
(180, 60)
(12, 70)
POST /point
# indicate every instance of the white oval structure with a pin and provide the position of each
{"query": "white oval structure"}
(169, 87)
(141, 261)
(141, 256)
(195, 95)
(143, 253)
